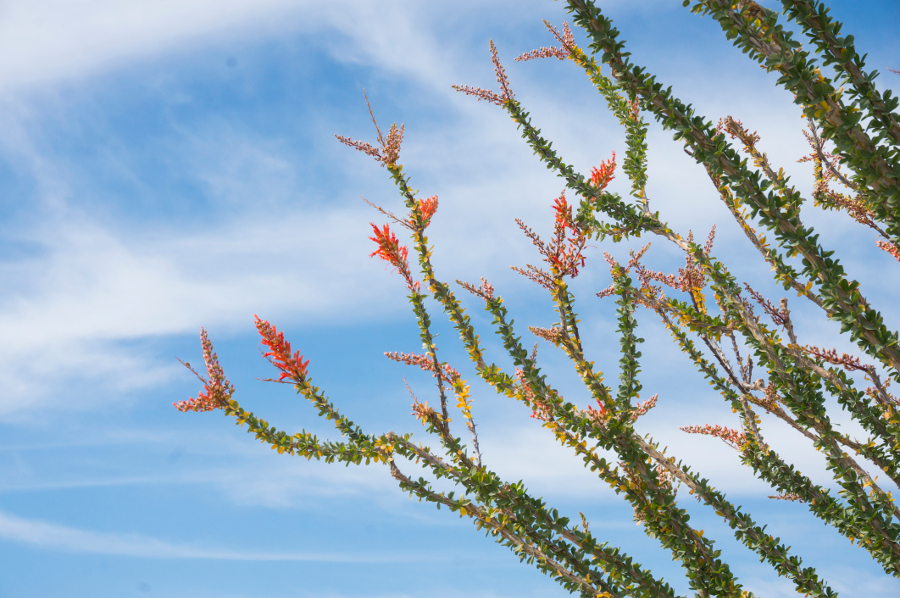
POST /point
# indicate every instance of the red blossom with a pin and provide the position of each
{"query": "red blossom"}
(600, 177)
(426, 209)
(217, 390)
(569, 259)
(389, 248)
(565, 253)
(292, 366)
(600, 413)
(563, 211)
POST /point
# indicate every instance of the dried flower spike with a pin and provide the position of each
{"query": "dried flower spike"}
(566, 39)
(490, 96)
(732, 438)
(390, 147)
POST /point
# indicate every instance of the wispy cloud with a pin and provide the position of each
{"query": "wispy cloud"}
(53, 41)
(50, 41)
(51, 536)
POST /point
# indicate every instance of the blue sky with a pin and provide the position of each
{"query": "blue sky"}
(170, 165)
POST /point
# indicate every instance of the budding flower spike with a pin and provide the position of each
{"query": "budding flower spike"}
(483, 94)
(567, 40)
(389, 151)
(217, 390)
(732, 438)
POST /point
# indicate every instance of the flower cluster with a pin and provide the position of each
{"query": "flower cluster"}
(797, 377)
(603, 174)
(564, 253)
(644, 406)
(390, 250)
(485, 291)
(217, 390)
(422, 412)
(570, 240)
(600, 414)
(890, 248)
(279, 353)
(690, 278)
(845, 360)
(389, 152)
(566, 39)
(426, 209)
(425, 362)
(554, 334)
(484, 94)
(732, 438)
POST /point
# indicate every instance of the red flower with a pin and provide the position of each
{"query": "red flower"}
(563, 211)
(598, 413)
(566, 253)
(600, 177)
(426, 208)
(291, 366)
(389, 248)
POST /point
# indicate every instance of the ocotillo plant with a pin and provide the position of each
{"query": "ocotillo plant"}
(710, 315)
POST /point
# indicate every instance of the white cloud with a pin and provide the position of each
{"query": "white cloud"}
(47, 41)
(58, 537)
(91, 288)
(56, 41)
